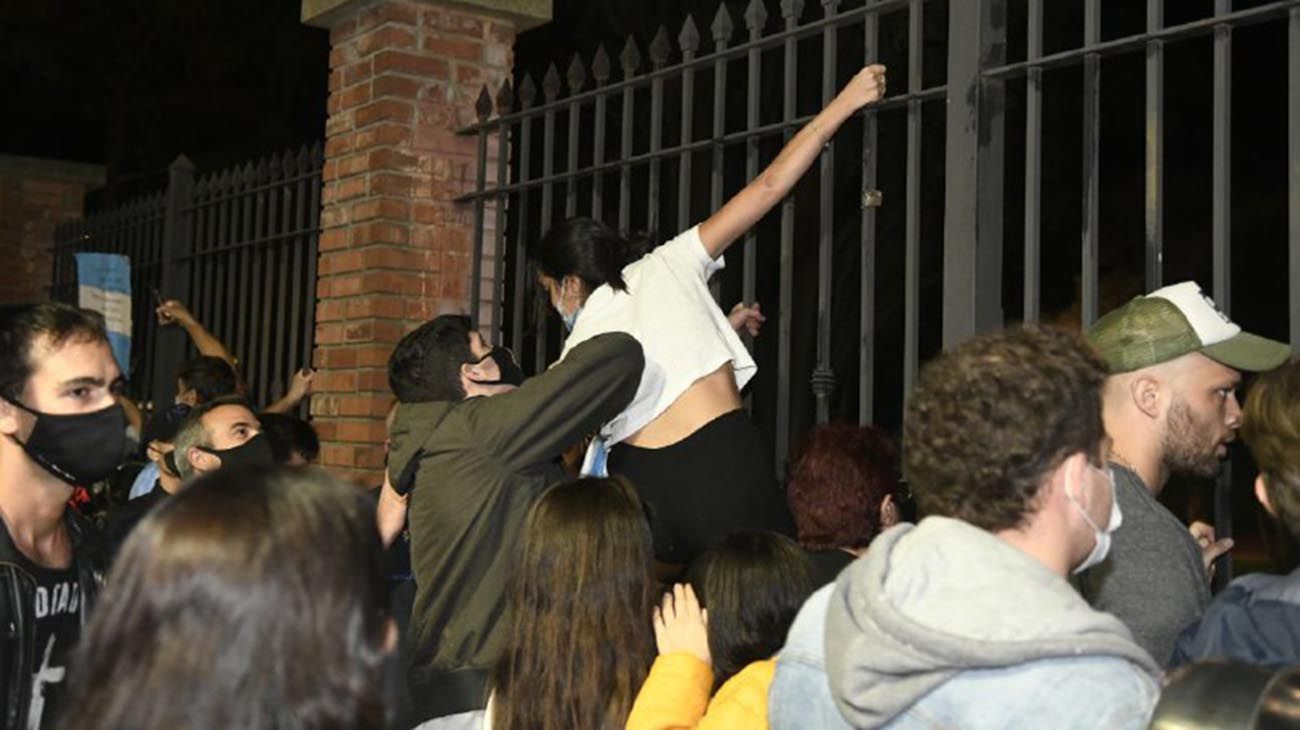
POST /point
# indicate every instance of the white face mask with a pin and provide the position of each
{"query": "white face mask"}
(1101, 545)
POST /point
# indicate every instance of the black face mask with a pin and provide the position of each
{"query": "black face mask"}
(253, 452)
(511, 373)
(79, 449)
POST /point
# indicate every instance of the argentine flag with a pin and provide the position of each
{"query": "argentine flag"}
(104, 285)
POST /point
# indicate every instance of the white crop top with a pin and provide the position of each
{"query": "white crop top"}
(668, 308)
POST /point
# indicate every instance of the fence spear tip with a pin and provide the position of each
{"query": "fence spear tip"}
(660, 47)
(551, 83)
(631, 56)
(600, 65)
(755, 16)
(689, 38)
(722, 26)
(483, 105)
(576, 75)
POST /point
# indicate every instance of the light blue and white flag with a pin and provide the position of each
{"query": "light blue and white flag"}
(104, 285)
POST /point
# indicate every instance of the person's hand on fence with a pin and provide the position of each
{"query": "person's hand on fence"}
(681, 625)
(746, 318)
(866, 87)
(300, 384)
(173, 311)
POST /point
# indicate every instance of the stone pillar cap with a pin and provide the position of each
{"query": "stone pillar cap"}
(525, 14)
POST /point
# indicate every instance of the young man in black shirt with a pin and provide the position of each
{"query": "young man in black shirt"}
(60, 427)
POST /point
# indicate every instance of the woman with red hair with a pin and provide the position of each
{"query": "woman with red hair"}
(843, 491)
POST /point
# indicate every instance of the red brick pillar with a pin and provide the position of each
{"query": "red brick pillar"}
(395, 249)
(35, 197)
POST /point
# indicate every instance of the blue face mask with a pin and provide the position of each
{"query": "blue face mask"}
(570, 319)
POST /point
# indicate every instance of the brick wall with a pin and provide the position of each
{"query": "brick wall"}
(395, 250)
(35, 196)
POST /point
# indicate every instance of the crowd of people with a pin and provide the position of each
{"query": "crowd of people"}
(1006, 563)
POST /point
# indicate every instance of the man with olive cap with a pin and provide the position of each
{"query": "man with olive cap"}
(1170, 406)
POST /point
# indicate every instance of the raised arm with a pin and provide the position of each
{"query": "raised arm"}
(762, 193)
(299, 388)
(173, 311)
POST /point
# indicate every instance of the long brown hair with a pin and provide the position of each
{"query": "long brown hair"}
(251, 599)
(1270, 426)
(580, 640)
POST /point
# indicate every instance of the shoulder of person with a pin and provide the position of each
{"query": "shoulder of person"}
(748, 688)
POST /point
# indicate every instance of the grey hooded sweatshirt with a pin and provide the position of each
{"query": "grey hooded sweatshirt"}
(942, 624)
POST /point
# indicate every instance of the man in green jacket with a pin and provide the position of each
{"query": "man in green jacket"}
(470, 449)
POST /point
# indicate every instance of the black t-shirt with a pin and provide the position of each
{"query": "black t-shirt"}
(57, 612)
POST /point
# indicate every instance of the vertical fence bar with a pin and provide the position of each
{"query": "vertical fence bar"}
(577, 78)
(260, 251)
(224, 264)
(1033, 165)
(912, 233)
(660, 48)
(301, 288)
(823, 376)
(505, 101)
(722, 29)
(973, 170)
(1155, 149)
(175, 273)
(630, 60)
(1091, 163)
(1221, 223)
(1293, 172)
(1221, 204)
(600, 72)
(527, 93)
(689, 40)
(790, 12)
(206, 271)
(287, 241)
(551, 90)
(317, 163)
(867, 321)
(483, 110)
(755, 19)
(243, 328)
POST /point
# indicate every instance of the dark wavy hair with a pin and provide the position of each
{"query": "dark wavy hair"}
(425, 365)
(992, 417)
(579, 641)
(753, 584)
(589, 250)
(287, 434)
(252, 599)
(210, 377)
(839, 475)
(22, 325)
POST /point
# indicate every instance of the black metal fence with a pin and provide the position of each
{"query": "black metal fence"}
(237, 246)
(659, 148)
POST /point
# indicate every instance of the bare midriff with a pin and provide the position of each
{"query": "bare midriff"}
(711, 396)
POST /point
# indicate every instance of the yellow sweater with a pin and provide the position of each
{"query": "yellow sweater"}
(676, 695)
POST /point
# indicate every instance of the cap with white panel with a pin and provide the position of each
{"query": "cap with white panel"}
(1176, 320)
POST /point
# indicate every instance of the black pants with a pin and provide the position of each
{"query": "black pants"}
(713, 482)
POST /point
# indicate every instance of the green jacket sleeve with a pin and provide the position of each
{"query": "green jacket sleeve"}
(550, 412)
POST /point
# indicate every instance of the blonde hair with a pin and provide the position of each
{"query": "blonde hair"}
(1271, 428)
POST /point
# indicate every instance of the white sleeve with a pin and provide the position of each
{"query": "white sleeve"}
(687, 250)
